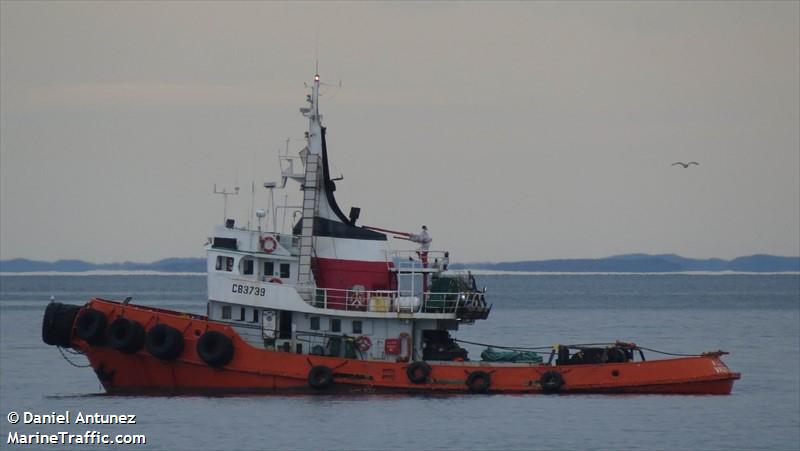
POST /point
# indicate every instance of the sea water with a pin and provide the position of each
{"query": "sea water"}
(755, 317)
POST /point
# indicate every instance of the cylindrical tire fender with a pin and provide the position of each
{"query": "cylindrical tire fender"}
(418, 372)
(91, 326)
(616, 355)
(164, 342)
(479, 382)
(126, 335)
(215, 348)
(551, 381)
(320, 377)
(57, 324)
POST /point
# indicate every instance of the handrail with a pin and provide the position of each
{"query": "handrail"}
(404, 258)
(386, 301)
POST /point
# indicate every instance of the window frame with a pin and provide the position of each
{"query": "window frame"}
(248, 263)
(288, 273)
(271, 264)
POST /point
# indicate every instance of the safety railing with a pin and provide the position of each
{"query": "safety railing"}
(385, 301)
(254, 240)
(288, 241)
(419, 260)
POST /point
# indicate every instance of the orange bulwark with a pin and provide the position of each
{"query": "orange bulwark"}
(209, 357)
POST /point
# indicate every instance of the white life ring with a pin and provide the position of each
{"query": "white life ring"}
(268, 244)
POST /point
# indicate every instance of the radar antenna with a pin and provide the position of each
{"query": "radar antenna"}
(225, 193)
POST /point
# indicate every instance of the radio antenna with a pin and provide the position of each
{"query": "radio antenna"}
(225, 193)
(316, 53)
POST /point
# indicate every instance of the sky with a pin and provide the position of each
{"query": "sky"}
(522, 130)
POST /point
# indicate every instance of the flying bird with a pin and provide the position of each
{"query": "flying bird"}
(685, 165)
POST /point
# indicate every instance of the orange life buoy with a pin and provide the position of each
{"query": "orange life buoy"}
(275, 280)
(363, 343)
(268, 244)
(410, 346)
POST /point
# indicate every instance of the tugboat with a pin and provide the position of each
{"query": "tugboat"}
(331, 307)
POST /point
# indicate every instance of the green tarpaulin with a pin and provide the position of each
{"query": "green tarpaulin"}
(492, 355)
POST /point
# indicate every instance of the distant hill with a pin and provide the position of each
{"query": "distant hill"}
(641, 263)
(633, 263)
(167, 265)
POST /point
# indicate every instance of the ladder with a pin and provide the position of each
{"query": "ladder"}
(310, 205)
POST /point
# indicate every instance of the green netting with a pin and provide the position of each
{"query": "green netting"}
(492, 355)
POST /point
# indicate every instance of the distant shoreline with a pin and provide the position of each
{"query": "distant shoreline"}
(477, 272)
(100, 273)
(618, 264)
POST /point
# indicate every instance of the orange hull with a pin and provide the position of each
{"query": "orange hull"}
(260, 370)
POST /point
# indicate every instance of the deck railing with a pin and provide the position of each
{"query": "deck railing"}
(384, 301)
(418, 260)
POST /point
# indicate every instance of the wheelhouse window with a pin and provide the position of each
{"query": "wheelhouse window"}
(269, 269)
(224, 263)
(255, 315)
(336, 325)
(285, 274)
(226, 312)
(247, 266)
(314, 323)
(241, 313)
(357, 327)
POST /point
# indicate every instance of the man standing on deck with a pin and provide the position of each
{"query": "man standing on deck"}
(424, 240)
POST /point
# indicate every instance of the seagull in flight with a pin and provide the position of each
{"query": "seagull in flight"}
(685, 165)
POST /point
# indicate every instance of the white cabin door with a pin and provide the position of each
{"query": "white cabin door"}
(269, 324)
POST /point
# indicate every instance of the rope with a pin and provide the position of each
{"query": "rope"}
(669, 353)
(73, 351)
(61, 350)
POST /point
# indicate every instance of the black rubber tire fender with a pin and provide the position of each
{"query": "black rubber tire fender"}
(215, 348)
(164, 342)
(551, 381)
(48, 322)
(57, 324)
(320, 377)
(418, 372)
(617, 355)
(91, 326)
(479, 382)
(126, 335)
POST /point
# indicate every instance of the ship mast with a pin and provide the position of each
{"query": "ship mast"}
(311, 186)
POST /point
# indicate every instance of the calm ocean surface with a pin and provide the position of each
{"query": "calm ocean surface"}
(755, 317)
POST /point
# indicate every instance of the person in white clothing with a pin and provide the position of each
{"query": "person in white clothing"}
(424, 240)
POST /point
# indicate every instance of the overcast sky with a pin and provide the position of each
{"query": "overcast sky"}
(513, 130)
